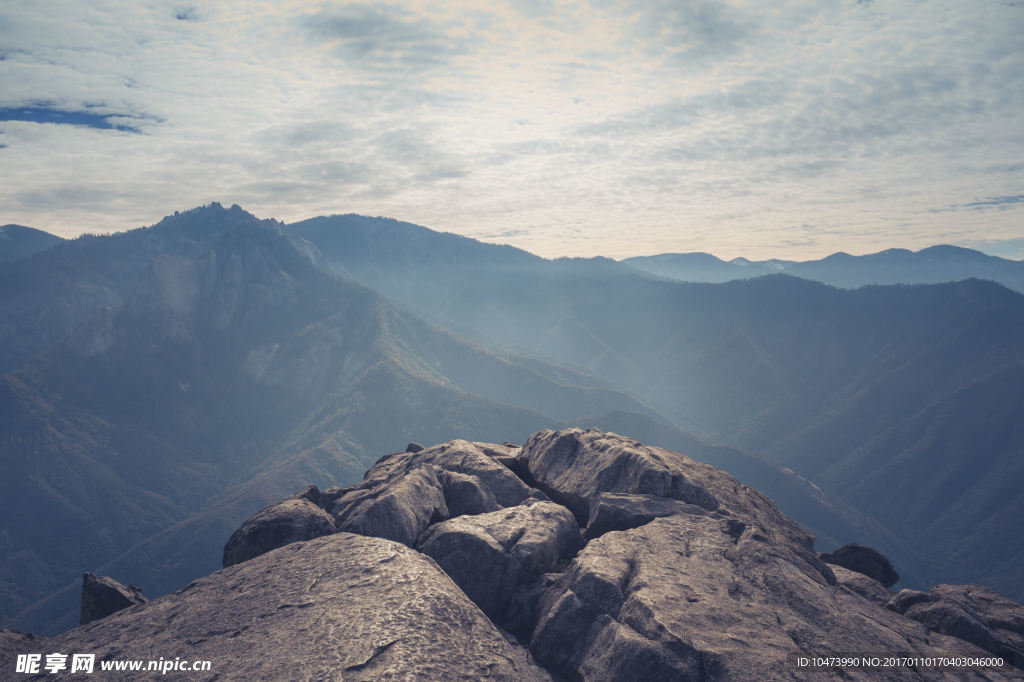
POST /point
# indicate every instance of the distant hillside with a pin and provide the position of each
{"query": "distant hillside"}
(806, 374)
(209, 368)
(17, 242)
(160, 385)
(934, 265)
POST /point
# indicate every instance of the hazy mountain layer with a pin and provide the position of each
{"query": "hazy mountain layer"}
(933, 265)
(17, 242)
(213, 368)
(812, 376)
(164, 383)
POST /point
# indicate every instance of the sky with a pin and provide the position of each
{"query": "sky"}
(756, 128)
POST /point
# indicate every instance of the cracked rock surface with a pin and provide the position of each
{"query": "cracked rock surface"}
(582, 555)
(339, 607)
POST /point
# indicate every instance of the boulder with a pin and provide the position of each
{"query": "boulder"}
(1003, 616)
(491, 556)
(686, 597)
(973, 613)
(860, 584)
(413, 447)
(621, 511)
(102, 596)
(950, 618)
(465, 494)
(906, 598)
(398, 509)
(683, 573)
(291, 520)
(866, 560)
(337, 607)
(574, 467)
(403, 493)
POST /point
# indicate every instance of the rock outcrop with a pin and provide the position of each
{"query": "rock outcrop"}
(581, 555)
(492, 556)
(291, 520)
(406, 492)
(102, 596)
(338, 607)
(866, 560)
(972, 613)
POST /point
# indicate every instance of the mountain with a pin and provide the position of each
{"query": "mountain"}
(203, 367)
(933, 265)
(18, 241)
(162, 384)
(704, 267)
(807, 375)
(579, 555)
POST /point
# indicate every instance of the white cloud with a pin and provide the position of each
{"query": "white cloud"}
(745, 127)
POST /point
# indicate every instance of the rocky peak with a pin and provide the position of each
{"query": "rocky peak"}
(581, 555)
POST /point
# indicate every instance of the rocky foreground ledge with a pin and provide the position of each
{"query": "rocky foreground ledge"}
(580, 555)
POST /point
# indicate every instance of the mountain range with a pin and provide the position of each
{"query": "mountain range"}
(161, 385)
(933, 265)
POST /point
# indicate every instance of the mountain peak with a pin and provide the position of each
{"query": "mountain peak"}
(18, 241)
(581, 555)
(211, 219)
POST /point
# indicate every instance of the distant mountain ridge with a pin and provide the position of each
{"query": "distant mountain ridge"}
(932, 265)
(804, 373)
(18, 241)
(211, 368)
(256, 357)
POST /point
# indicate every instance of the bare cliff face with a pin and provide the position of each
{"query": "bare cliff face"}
(580, 555)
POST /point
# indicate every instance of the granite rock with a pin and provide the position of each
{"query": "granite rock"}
(102, 596)
(291, 520)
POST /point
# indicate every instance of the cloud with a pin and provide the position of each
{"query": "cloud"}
(996, 202)
(708, 125)
(384, 38)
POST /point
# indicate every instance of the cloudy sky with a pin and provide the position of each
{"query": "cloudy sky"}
(761, 128)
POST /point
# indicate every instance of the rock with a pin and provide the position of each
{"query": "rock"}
(1003, 616)
(580, 465)
(466, 494)
(12, 643)
(491, 556)
(864, 560)
(683, 573)
(952, 619)
(291, 520)
(685, 597)
(973, 613)
(102, 596)
(337, 607)
(399, 509)
(620, 511)
(413, 447)
(862, 585)
(404, 493)
(906, 598)
(574, 467)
